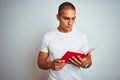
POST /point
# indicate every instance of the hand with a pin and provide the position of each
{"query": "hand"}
(81, 62)
(57, 64)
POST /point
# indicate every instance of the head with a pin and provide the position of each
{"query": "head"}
(66, 16)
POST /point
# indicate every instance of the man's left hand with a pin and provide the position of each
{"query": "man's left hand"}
(81, 62)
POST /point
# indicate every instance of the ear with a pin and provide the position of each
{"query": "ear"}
(57, 16)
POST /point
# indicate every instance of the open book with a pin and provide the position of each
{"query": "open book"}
(69, 54)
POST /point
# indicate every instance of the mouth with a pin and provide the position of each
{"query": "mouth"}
(68, 26)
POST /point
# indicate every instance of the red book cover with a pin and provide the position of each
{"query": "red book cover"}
(69, 54)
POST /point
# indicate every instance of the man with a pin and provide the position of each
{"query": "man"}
(56, 42)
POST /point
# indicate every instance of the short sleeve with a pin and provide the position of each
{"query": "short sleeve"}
(85, 44)
(44, 44)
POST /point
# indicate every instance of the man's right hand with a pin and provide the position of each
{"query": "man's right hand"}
(57, 64)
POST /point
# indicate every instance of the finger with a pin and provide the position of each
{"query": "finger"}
(59, 61)
(57, 64)
(89, 54)
(73, 62)
(79, 58)
(84, 59)
(58, 67)
(76, 60)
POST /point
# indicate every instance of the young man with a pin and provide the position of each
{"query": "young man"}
(56, 42)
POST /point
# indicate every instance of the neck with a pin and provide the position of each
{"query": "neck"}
(64, 30)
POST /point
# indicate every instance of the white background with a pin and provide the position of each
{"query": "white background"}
(23, 23)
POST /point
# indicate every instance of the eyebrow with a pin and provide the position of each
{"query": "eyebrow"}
(69, 17)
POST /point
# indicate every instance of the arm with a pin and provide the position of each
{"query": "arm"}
(43, 63)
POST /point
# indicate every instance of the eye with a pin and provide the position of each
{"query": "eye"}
(66, 18)
(73, 18)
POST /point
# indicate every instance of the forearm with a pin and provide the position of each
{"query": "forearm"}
(44, 65)
(42, 61)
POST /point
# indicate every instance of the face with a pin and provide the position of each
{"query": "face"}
(66, 20)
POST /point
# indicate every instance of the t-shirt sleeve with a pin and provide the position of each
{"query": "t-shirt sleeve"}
(85, 44)
(44, 44)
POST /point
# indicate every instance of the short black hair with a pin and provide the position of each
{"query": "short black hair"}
(65, 5)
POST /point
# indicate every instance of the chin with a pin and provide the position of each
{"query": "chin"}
(68, 30)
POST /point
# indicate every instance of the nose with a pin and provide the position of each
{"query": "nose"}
(70, 22)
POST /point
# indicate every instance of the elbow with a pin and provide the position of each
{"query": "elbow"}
(38, 64)
(41, 65)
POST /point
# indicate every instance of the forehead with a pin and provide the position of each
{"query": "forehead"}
(68, 13)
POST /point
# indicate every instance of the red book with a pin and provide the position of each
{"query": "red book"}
(69, 54)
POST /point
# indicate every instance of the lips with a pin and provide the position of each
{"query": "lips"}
(68, 26)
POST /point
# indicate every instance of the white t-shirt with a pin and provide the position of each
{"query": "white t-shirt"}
(56, 44)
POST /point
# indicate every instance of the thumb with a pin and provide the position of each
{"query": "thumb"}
(88, 54)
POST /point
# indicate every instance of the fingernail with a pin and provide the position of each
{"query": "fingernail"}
(78, 56)
(84, 58)
(73, 57)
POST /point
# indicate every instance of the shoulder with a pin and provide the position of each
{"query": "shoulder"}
(50, 34)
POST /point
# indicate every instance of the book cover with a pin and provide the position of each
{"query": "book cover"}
(69, 54)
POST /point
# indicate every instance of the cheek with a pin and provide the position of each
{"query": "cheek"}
(63, 22)
(73, 22)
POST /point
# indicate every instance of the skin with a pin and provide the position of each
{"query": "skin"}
(66, 20)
